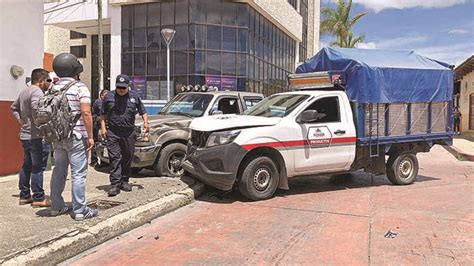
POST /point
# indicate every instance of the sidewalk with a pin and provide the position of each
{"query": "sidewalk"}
(30, 235)
(462, 148)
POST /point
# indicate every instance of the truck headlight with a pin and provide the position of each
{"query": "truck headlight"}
(221, 138)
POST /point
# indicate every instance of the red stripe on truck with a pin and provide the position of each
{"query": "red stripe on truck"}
(295, 143)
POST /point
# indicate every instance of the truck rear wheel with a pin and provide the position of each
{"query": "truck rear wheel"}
(402, 168)
(169, 160)
(259, 179)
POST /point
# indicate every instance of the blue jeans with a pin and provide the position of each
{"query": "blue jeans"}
(32, 170)
(72, 152)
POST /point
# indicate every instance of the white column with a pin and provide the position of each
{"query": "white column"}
(115, 43)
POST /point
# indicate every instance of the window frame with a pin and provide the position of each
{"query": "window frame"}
(317, 99)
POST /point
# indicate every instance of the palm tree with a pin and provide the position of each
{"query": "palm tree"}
(337, 22)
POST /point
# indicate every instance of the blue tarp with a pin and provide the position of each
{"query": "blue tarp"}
(380, 76)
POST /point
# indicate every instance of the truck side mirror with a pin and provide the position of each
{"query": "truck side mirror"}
(309, 116)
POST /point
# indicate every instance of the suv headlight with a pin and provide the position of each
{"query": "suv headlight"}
(221, 138)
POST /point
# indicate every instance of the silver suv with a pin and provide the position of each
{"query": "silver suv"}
(169, 129)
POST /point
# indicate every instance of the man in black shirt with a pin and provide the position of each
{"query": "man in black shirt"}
(119, 109)
(96, 124)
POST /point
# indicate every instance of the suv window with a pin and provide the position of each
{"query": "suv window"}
(227, 105)
(251, 101)
(328, 109)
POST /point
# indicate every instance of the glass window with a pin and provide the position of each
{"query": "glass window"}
(228, 64)
(181, 37)
(229, 13)
(139, 63)
(243, 15)
(167, 13)
(327, 108)
(140, 16)
(213, 11)
(153, 38)
(153, 63)
(276, 105)
(153, 88)
(252, 20)
(191, 62)
(181, 62)
(139, 39)
(199, 62)
(214, 37)
(229, 38)
(197, 11)
(179, 82)
(162, 66)
(200, 36)
(126, 41)
(188, 104)
(251, 44)
(243, 33)
(182, 11)
(242, 65)
(213, 63)
(127, 63)
(154, 14)
(127, 15)
(227, 105)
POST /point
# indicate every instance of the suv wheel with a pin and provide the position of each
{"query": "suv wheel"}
(170, 159)
(259, 179)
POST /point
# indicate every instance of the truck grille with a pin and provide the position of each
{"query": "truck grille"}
(199, 138)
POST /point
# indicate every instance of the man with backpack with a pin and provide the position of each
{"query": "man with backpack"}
(24, 109)
(69, 128)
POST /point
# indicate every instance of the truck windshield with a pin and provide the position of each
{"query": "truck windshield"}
(188, 104)
(277, 105)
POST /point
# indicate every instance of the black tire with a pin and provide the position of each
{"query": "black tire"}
(168, 160)
(259, 179)
(136, 170)
(402, 168)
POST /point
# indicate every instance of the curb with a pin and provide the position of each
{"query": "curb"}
(76, 242)
(458, 154)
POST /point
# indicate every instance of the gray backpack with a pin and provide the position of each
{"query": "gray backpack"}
(54, 117)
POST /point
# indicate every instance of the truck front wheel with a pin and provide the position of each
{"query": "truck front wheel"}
(402, 168)
(169, 160)
(259, 179)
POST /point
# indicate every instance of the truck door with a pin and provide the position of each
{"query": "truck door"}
(329, 142)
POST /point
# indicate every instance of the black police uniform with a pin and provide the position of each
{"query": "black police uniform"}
(120, 113)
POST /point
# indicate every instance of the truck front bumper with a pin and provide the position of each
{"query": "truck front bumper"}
(143, 156)
(216, 166)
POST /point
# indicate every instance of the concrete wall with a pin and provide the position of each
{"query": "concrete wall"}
(467, 88)
(21, 43)
(314, 11)
(57, 40)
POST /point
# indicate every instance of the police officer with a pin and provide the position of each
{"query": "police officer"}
(119, 109)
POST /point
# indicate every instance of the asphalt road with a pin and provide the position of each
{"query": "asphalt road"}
(351, 219)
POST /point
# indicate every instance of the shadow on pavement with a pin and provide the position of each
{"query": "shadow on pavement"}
(311, 184)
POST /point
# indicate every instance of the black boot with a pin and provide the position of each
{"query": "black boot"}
(114, 191)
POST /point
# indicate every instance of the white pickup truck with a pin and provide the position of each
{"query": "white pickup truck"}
(313, 130)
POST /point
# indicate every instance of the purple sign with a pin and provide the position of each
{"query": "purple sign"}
(213, 81)
(139, 85)
(229, 84)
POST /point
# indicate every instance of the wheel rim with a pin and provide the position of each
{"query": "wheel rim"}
(174, 162)
(261, 178)
(406, 168)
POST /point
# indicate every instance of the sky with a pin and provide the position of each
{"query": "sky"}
(439, 29)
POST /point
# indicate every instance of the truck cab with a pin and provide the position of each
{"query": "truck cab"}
(164, 147)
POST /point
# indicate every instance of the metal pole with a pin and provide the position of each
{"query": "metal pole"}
(101, 51)
(168, 69)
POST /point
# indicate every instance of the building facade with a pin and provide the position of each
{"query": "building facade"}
(236, 45)
(21, 45)
(464, 98)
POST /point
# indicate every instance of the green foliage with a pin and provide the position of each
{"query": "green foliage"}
(338, 23)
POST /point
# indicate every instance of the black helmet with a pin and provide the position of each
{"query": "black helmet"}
(67, 65)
